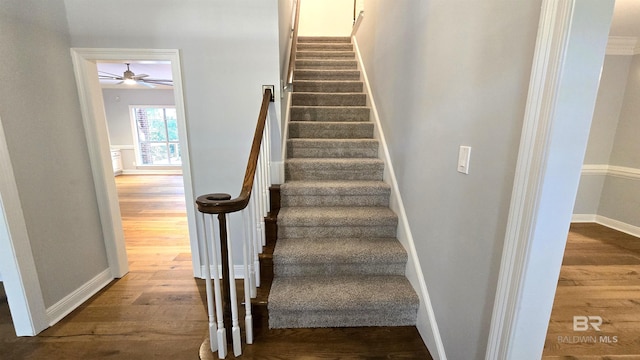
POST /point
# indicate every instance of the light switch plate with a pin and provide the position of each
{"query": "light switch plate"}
(463, 159)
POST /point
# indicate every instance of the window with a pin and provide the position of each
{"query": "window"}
(156, 131)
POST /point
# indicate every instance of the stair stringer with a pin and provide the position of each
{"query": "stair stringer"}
(426, 322)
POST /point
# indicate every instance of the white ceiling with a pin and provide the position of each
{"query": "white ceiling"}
(155, 70)
(626, 18)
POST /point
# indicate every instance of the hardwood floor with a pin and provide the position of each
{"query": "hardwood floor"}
(154, 312)
(157, 310)
(600, 276)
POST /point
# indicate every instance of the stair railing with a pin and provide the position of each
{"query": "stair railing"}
(294, 41)
(222, 304)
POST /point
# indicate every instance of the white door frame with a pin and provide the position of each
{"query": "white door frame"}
(568, 59)
(95, 124)
(17, 266)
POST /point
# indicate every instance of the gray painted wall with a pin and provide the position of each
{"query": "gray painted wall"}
(626, 146)
(446, 74)
(621, 196)
(116, 106)
(228, 49)
(41, 118)
(613, 140)
(613, 83)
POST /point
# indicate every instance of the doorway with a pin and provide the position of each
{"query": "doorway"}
(93, 111)
(144, 142)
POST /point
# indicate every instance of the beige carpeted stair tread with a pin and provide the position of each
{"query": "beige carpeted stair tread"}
(329, 86)
(377, 252)
(336, 216)
(326, 64)
(342, 301)
(330, 39)
(332, 148)
(328, 99)
(330, 113)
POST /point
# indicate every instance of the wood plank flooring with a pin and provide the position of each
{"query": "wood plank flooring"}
(154, 312)
(600, 276)
(157, 311)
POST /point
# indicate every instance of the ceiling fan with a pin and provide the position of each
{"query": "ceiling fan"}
(130, 78)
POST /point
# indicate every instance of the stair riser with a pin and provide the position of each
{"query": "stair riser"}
(327, 64)
(312, 319)
(306, 113)
(326, 75)
(328, 86)
(326, 55)
(339, 268)
(324, 47)
(312, 130)
(327, 152)
(324, 39)
(328, 172)
(333, 200)
(319, 99)
(290, 232)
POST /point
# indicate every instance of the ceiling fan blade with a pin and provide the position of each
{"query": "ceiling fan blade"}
(160, 81)
(138, 77)
(104, 73)
(104, 77)
(142, 82)
(121, 82)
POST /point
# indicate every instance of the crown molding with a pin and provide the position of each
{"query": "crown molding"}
(623, 45)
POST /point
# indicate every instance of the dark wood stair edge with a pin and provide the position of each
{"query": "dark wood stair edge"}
(259, 304)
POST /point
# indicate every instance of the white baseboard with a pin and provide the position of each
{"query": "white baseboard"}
(151, 172)
(426, 321)
(605, 221)
(70, 302)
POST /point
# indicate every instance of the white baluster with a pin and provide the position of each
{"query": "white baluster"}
(248, 318)
(221, 333)
(267, 156)
(257, 243)
(246, 217)
(235, 328)
(207, 278)
(259, 212)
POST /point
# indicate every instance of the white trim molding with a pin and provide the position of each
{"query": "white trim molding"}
(623, 45)
(70, 302)
(92, 108)
(608, 222)
(611, 170)
(426, 321)
(18, 267)
(569, 53)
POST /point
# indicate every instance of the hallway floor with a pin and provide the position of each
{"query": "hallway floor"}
(600, 277)
(157, 311)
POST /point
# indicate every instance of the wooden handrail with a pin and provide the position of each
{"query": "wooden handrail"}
(357, 22)
(294, 42)
(220, 203)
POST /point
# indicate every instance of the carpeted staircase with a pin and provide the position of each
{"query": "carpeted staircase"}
(337, 262)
